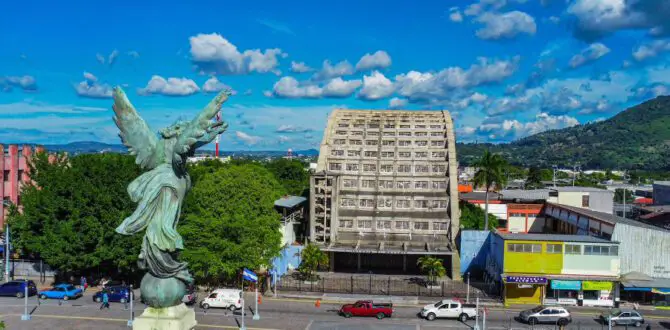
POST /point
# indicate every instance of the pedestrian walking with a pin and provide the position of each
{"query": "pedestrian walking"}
(82, 282)
(105, 300)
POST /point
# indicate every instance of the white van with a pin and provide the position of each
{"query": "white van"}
(223, 298)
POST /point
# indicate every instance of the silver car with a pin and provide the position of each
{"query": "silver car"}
(623, 317)
(546, 314)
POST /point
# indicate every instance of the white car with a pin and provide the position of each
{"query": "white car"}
(223, 298)
(451, 309)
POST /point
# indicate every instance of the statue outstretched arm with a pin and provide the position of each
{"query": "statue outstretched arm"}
(134, 132)
(201, 130)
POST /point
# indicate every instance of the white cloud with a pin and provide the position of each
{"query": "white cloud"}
(339, 88)
(418, 86)
(211, 53)
(596, 19)
(589, 54)
(288, 128)
(300, 67)
(248, 139)
(112, 57)
(651, 91)
(329, 71)
(213, 85)
(100, 58)
(32, 107)
(90, 88)
(455, 15)
(379, 60)
(514, 128)
(375, 87)
(397, 103)
(560, 102)
(506, 105)
(289, 87)
(170, 86)
(599, 107)
(554, 19)
(133, 54)
(506, 25)
(26, 83)
(90, 77)
(283, 139)
(651, 49)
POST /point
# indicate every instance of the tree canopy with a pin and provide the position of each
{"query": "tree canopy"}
(472, 217)
(71, 212)
(291, 174)
(229, 222)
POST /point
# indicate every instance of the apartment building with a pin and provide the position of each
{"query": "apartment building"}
(14, 161)
(385, 190)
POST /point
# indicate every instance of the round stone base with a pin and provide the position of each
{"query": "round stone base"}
(162, 292)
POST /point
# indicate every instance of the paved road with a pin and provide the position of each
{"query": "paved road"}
(83, 313)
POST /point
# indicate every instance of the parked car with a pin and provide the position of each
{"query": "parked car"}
(622, 317)
(18, 288)
(191, 296)
(366, 308)
(451, 309)
(118, 293)
(223, 298)
(61, 291)
(546, 314)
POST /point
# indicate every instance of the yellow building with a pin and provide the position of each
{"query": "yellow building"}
(563, 269)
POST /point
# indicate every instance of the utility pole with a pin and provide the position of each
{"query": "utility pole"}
(554, 176)
(624, 194)
(574, 173)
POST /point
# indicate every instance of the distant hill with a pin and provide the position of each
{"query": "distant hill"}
(87, 147)
(637, 138)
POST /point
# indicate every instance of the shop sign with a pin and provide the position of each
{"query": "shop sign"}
(566, 285)
(596, 286)
(524, 286)
(526, 279)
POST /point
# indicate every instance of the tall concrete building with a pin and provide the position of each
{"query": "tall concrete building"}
(14, 160)
(385, 190)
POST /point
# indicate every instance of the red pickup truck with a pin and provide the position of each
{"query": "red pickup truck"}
(367, 308)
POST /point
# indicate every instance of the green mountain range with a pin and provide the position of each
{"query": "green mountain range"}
(637, 138)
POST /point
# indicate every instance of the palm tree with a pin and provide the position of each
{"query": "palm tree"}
(432, 266)
(490, 174)
(312, 258)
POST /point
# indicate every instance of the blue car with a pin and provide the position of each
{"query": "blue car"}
(61, 291)
(18, 288)
(117, 293)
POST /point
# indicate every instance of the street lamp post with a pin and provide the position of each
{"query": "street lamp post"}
(130, 297)
(25, 316)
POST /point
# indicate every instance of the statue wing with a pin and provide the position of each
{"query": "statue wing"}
(201, 130)
(134, 132)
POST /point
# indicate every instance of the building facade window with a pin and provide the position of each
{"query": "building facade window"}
(554, 248)
(421, 154)
(352, 167)
(421, 204)
(337, 152)
(387, 154)
(339, 141)
(340, 132)
(403, 184)
(439, 185)
(366, 224)
(335, 166)
(402, 203)
(350, 183)
(420, 225)
(421, 185)
(524, 247)
(439, 154)
(404, 168)
(404, 133)
(384, 224)
(372, 133)
(439, 168)
(356, 142)
(386, 184)
(348, 202)
(573, 249)
(346, 223)
(385, 202)
(419, 126)
(404, 143)
(343, 125)
(420, 133)
(402, 225)
(435, 126)
(370, 167)
(404, 154)
(386, 168)
(421, 143)
(371, 142)
(421, 168)
(440, 226)
(353, 153)
(436, 134)
(388, 143)
(599, 250)
(371, 154)
(368, 184)
(366, 203)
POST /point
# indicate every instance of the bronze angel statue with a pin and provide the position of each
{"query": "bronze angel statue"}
(160, 192)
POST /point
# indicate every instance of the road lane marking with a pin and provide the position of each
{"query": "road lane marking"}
(309, 325)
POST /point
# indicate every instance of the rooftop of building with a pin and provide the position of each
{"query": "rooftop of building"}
(552, 238)
(606, 217)
(390, 112)
(290, 201)
(478, 195)
(662, 183)
(523, 194)
(578, 189)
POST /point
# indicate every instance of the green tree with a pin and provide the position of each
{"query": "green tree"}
(229, 222)
(71, 212)
(312, 258)
(534, 178)
(619, 194)
(472, 217)
(432, 266)
(291, 174)
(490, 174)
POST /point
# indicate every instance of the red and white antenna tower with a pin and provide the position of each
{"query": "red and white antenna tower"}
(216, 151)
(290, 153)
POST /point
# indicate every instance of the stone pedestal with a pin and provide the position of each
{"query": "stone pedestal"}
(177, 317)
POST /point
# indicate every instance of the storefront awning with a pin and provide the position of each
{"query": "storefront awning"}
(656, 285)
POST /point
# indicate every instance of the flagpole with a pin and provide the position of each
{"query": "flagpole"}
(242, 327)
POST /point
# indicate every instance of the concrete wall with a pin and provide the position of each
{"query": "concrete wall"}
(590, 265)
(643, 250)
(499, 210)
(474, 249)
(532, 263)
(289, 259)
(601, 201)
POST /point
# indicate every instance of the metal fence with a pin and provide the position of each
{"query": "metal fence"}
(387, 285)
(32, 269)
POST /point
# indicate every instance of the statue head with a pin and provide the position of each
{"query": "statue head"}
(174, 130)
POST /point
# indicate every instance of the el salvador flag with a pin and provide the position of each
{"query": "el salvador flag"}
(249, 275)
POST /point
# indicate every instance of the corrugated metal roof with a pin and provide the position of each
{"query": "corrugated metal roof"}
(534, 194)
(290, 201)
(552, 238)
(606, 217)
(579, 189)
(478, 195)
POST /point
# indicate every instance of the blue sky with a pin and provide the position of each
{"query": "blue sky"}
(505, 69)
